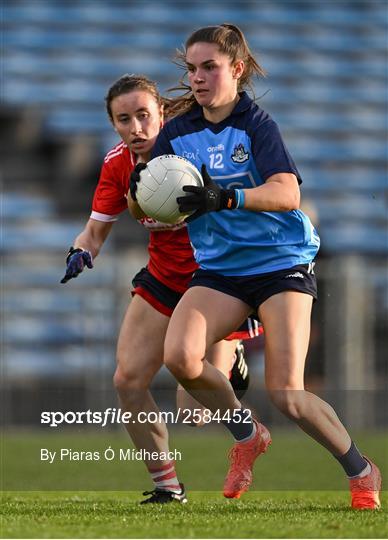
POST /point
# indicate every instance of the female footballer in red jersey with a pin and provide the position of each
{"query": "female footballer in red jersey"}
(135, 109)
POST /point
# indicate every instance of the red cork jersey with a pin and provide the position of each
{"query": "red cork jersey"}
(171, 256)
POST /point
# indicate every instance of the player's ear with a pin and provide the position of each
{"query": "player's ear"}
(238, 69)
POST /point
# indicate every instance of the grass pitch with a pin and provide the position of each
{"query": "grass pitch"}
(298, 492)
(207, 515)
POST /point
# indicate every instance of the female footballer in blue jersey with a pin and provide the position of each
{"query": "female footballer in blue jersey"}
(255, 251)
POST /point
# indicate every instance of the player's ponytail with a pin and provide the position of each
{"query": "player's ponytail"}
(241, 51)
(230, 41)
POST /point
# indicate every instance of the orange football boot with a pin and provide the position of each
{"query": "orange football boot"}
(242, 457)
(365, 491)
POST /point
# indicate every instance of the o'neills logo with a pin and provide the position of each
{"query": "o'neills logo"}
(219, 148)
(239, 154)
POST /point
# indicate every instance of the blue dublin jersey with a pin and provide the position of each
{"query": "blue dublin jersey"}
(242, 151)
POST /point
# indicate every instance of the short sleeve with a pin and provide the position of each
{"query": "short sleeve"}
(270, 153)
(109, 197)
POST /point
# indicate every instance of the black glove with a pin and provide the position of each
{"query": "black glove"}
(76, 260)
(209, 198)
(135, 178)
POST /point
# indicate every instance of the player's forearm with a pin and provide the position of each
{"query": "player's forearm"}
(93, 236)
(281, 195)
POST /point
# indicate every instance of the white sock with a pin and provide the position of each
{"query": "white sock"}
(165, 478)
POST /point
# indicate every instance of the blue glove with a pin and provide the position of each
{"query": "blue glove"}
(76, 260)
(134, 179)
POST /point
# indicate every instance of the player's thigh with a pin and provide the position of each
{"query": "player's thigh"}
(202, 317)
(222, 355)
(141, 340)
(286, 321)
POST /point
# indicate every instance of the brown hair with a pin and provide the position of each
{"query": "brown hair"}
(230, 41)
(128, 83)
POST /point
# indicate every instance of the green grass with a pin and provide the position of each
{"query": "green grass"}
(298, 492)
(207, 515)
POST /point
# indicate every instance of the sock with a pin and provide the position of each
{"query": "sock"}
(241, 427)
(165, 478)
(353, 463)
(363, 473)
(246, 439)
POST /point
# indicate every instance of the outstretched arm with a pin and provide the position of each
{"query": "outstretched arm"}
(93, 236)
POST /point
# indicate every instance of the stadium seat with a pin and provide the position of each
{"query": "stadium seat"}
(326, 87)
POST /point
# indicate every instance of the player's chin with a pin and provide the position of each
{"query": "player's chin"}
(203, 98)
(141, 148)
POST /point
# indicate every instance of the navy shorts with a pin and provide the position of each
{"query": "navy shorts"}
(161, 297)
(254, 290)
(164, 300)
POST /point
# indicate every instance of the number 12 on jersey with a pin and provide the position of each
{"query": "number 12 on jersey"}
(216, 161)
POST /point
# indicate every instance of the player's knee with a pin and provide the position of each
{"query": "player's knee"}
(183, 362)
(121, 381)
(129, 380)
(289, 401)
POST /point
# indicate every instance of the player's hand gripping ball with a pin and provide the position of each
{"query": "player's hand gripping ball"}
(135, 179)
(207, 198)
(157, 185)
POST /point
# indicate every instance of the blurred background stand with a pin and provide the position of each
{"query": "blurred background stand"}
(349, 333)
(326, 87)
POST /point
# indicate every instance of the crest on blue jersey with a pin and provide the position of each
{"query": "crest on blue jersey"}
(239, 154)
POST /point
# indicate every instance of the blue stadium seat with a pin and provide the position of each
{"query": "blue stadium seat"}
(304, 118)
(326, 87)
(69, 120)
(41, 234)
(362, 148)
(352, 208)
(313, 64)
(327, 71)
(49, 329)
(16, 206)
(49, 275)
(116, 12)
(70, 360)
(350, 179)
(51, 300)
(354, 238)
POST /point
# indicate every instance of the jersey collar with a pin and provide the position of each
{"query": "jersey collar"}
(243, 104)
